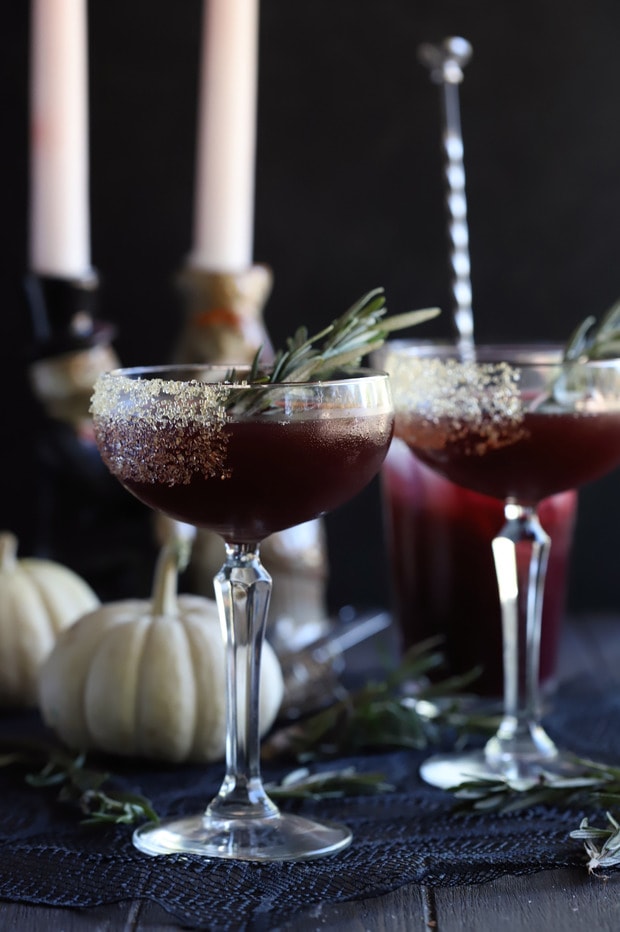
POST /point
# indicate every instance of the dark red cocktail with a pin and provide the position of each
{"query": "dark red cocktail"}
(278, 472)
(537, 455)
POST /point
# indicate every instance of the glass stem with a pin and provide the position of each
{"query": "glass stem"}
(520, 552)
(242, 591)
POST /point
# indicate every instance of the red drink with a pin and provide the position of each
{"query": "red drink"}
(539, 454)
(439, 540)
(272, 473)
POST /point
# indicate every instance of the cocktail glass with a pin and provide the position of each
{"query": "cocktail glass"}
(244, 460)
(438, 538)
(517, 424)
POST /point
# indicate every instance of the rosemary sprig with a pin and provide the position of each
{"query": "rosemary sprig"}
(328, 784)
(385, 714)
(596, 341)
(360, 330)
(590, 341)
(592, 782)
(594, 785)
(504, 794)
(341, 345)
(79, 785)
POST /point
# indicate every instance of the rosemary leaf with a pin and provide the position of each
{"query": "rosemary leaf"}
(608, 854)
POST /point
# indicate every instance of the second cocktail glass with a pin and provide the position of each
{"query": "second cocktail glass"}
(518, 424)
(438, 539)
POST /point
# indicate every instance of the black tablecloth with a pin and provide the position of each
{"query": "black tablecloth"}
(409, 836)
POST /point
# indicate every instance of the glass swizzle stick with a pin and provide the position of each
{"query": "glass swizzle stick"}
(445, 62)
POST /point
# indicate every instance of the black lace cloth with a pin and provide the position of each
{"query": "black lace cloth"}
(408, 836)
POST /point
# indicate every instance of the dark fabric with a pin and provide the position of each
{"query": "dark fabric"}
(409, 836)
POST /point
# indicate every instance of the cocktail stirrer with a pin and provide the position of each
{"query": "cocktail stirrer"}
(445, 62)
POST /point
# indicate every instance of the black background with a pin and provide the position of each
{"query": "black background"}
(349, 195)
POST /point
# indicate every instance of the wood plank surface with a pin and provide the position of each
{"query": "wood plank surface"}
(553, 901)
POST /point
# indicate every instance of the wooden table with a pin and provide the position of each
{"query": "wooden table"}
(553, 900)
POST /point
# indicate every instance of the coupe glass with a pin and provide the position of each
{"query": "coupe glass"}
(438, 538)
(517, 424)
(244, 460)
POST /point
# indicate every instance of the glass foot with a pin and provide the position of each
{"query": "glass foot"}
(282, 837)
(450, 770)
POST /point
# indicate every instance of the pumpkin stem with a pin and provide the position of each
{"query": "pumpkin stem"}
(173, 556)
(8, 550)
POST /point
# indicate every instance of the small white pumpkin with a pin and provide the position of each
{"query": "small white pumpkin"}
(147, 678)
(38, 599)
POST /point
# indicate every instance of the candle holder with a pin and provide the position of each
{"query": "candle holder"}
(81, 517)
(224, 315)
(224, 324)
(71, 347)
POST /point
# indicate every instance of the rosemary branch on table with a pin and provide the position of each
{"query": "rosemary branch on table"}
(328, 784)
(402, 709)
(591, 783)
(608, 854)
(594, 785)
(91, 790)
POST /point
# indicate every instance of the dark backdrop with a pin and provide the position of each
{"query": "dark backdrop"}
(349, 196)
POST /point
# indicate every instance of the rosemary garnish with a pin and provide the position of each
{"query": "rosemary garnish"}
(339, 347)
(596, 341)
(589, 342)
(357, 332)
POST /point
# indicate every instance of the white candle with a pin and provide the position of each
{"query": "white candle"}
(59, 209)
(226, 137)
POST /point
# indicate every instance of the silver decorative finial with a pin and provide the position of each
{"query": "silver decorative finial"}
(445, 62)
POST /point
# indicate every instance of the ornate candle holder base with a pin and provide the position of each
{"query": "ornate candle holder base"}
(71, 347)
(80, 514)
(224, 324)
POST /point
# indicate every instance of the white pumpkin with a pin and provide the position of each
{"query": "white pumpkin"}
(147, 678)
(38, 599)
